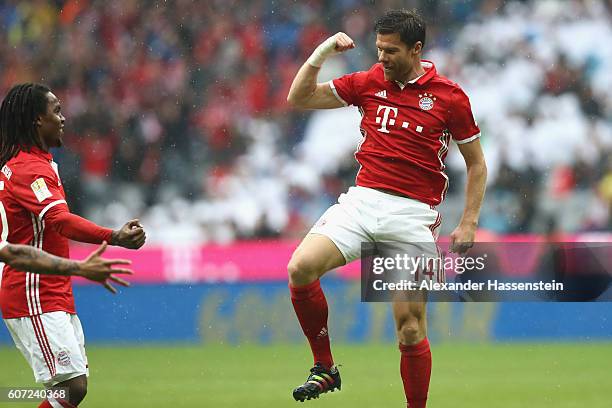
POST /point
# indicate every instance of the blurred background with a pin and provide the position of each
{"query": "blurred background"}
(176, 111)
(176, 114)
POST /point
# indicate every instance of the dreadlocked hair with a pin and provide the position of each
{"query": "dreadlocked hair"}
(20, 107)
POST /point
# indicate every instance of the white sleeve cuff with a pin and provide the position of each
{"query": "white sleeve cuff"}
(468, 140)
(333, 88)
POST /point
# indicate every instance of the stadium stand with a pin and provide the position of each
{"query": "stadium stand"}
(177, 113)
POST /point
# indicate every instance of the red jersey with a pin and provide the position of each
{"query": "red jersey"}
(407, 129)
(30, 186)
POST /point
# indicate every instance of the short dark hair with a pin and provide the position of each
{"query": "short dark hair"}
(20, 107)
(408, 23)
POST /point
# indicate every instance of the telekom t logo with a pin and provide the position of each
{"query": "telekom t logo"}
(384, 120)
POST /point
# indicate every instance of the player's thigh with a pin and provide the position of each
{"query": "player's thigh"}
(30, 342)
(410, 232)
(315, 255)
(347, 225)
(408, 221)
(65, 343)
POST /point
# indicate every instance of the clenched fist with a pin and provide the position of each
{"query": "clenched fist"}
(131, 235)
(335, 44)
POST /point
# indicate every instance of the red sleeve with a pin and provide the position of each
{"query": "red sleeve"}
(36, 188)
(76, 228)
(347, 88)
(461, 123)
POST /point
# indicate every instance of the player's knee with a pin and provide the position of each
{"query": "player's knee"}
(410, 332)
(301, 271)
(77, 390)
(410, 328)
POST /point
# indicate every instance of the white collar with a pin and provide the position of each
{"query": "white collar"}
(403, 85)
(426, 65)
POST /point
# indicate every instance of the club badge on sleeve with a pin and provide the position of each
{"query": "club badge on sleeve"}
(39, 187)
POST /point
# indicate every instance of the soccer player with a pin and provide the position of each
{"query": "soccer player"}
(39, 309)
(410, 113)
(94, 268)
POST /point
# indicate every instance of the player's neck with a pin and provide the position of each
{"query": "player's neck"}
(43, 145)
(415, 71)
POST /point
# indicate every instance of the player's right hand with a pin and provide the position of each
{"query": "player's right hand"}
(131, 235)
(335, 44)
(97, 269)
(342, 42)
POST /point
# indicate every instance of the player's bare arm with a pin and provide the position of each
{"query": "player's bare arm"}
(94, 268)
(462, 238)
(305, 92)
(131, 235)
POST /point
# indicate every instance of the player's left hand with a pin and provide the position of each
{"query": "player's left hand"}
(131, 235)
(462, 239)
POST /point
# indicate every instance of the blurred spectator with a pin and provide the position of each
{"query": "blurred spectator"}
(177, 114)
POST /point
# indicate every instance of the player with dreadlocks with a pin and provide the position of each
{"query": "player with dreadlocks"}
(38, 309)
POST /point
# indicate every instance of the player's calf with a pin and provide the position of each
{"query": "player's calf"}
(415, 362)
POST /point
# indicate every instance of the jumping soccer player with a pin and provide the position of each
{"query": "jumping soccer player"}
(39, 309)
(94, 268)
(409, 115)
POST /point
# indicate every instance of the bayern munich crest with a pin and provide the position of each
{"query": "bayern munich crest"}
(427, 101)
(63, 358)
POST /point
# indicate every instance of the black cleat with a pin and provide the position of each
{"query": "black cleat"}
(320, 381)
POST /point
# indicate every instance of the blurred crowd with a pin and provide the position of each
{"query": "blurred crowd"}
(176, 111)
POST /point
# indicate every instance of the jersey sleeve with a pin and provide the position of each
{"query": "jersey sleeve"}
(461, 123)
(347, 88)
(36, 188)
(77, 228)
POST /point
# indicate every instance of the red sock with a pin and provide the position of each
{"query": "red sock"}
(310, 307)
(415, 367)
(58, 403)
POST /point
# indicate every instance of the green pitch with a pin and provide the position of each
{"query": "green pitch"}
(464, 376)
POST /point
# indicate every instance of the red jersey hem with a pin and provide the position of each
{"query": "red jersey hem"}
(53, 309)
(407, 194)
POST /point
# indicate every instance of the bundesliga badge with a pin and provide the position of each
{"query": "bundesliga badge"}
(426, 102)
(39, 187)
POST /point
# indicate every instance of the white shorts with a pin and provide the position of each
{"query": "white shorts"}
(53, 344)
(368, 215)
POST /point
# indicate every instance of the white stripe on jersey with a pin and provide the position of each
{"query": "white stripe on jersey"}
(27, 288)
(33, 279)
(41, 231)
(3, 235)
(37, 297)
(444, 142)
(50, 205)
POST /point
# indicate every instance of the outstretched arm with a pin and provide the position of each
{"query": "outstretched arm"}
(462, 238)
(71, 226)
(94, 268)
(305, 92)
